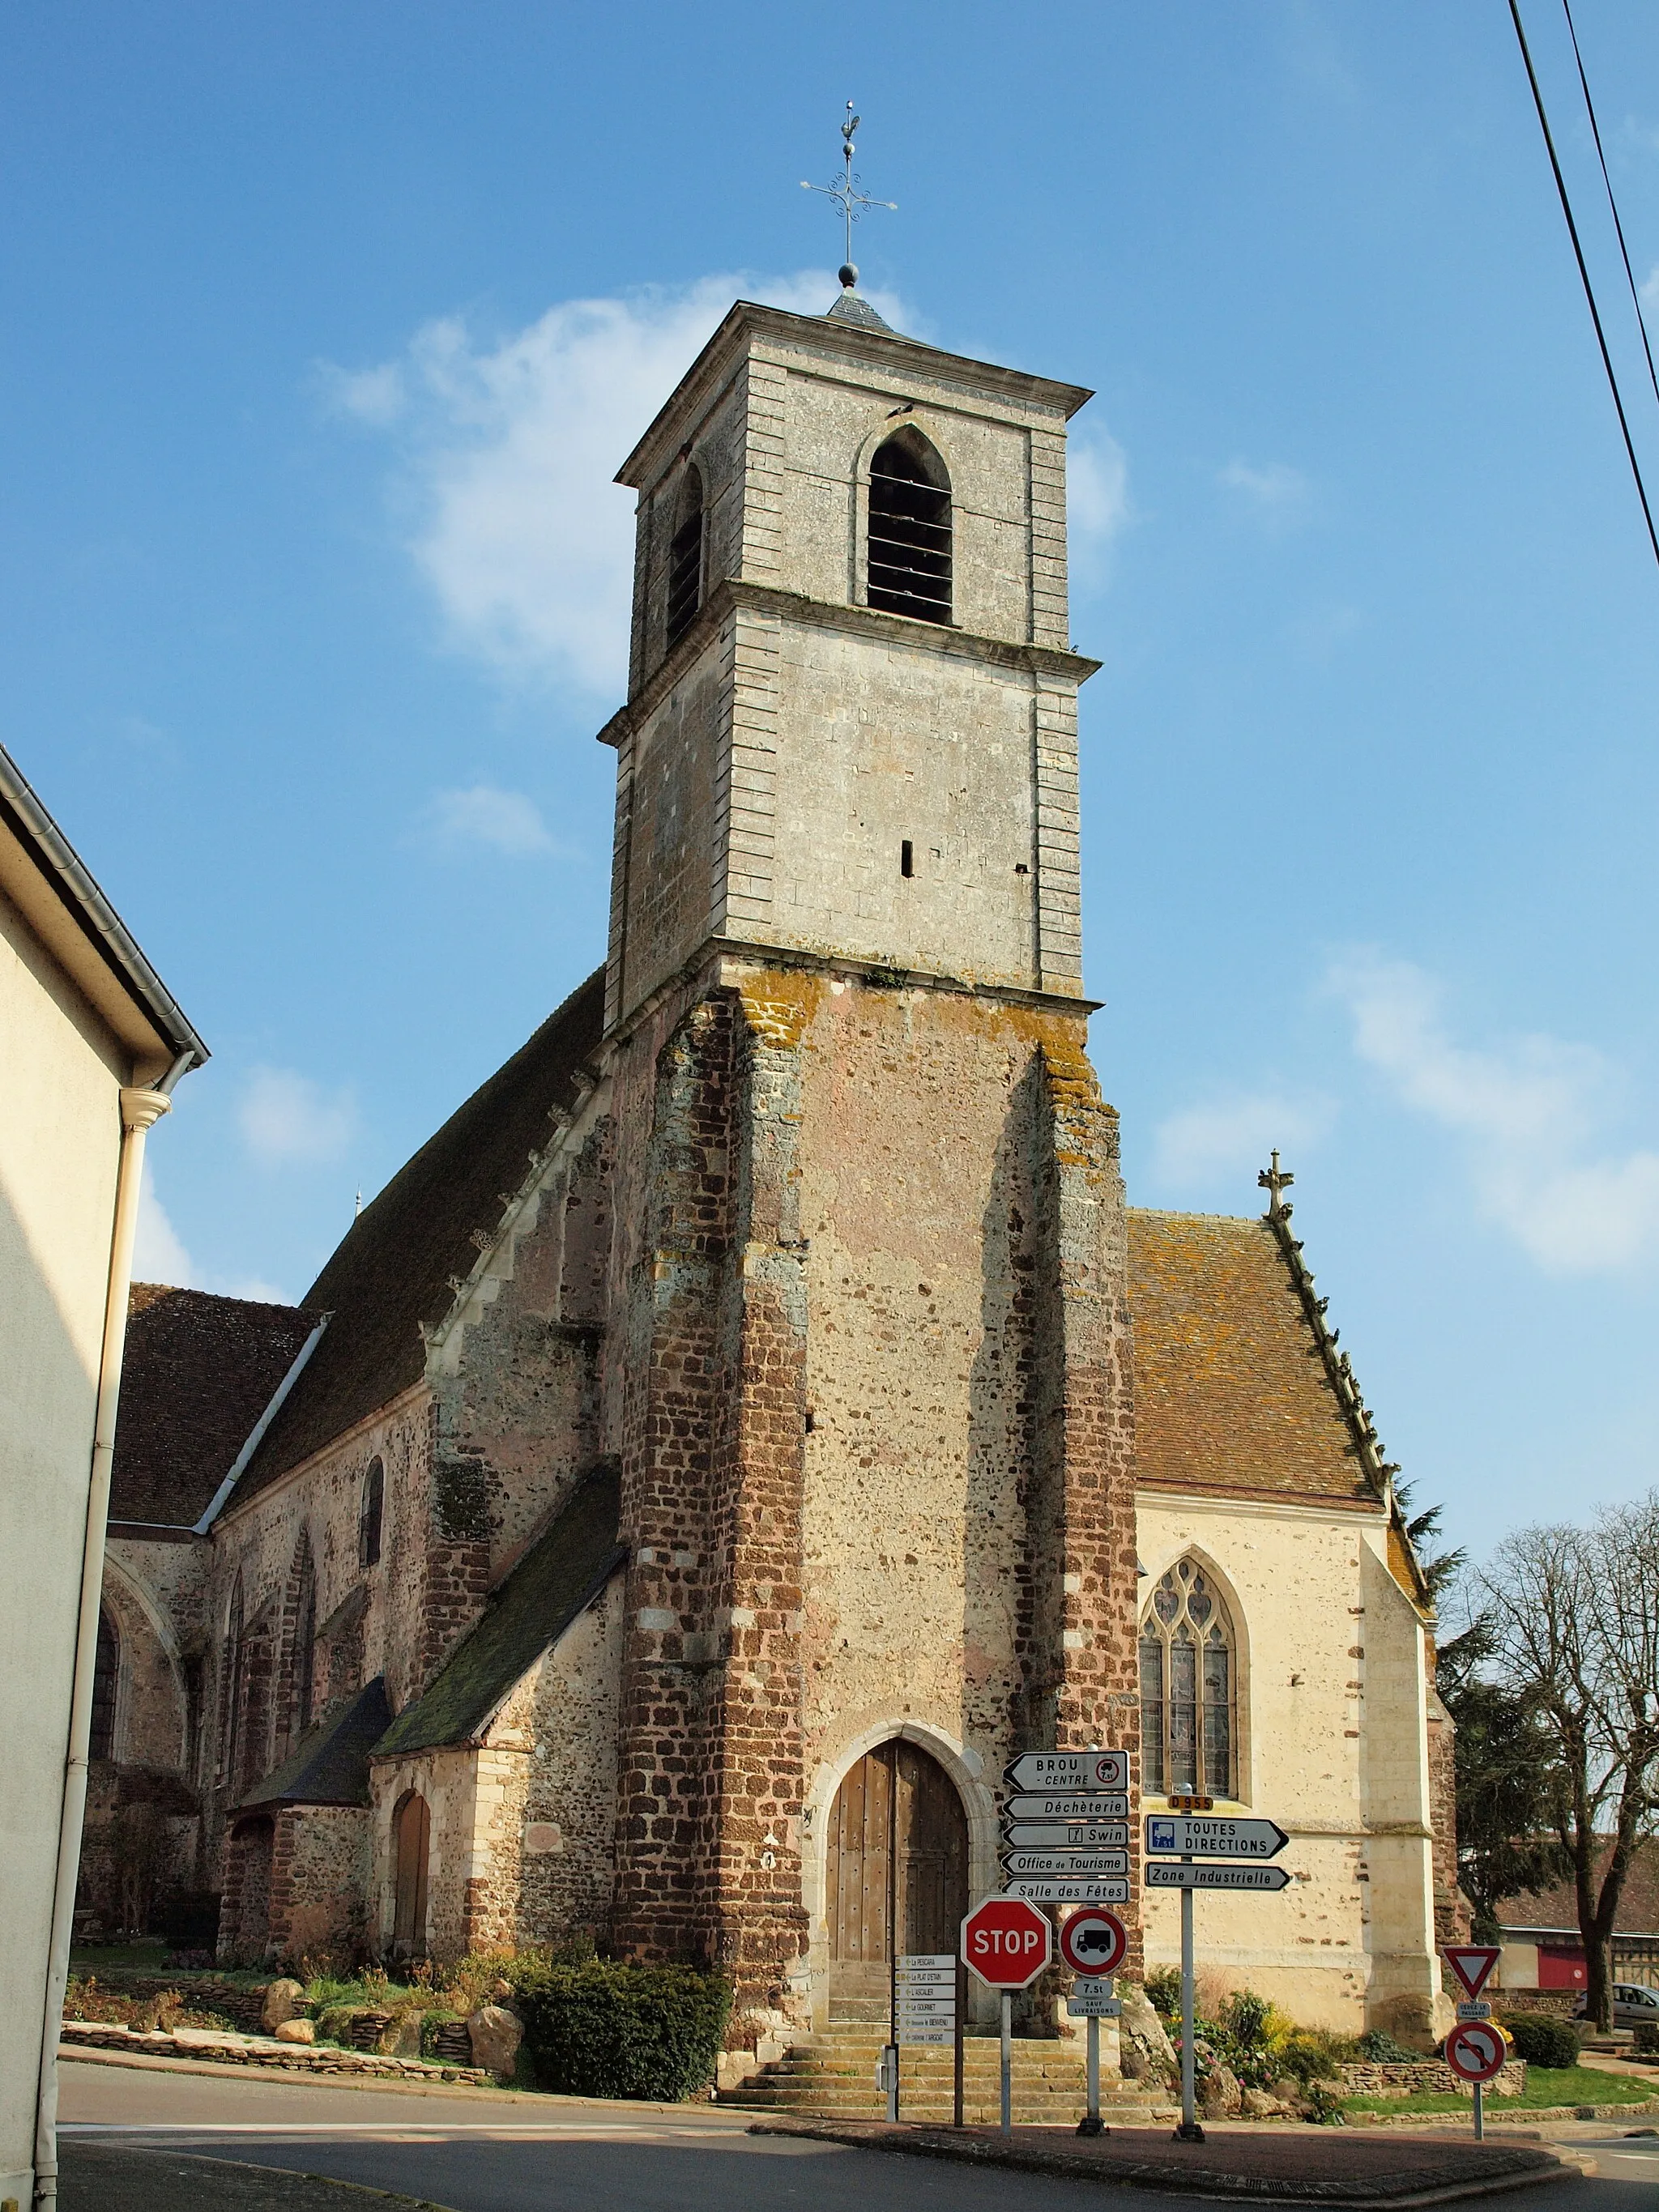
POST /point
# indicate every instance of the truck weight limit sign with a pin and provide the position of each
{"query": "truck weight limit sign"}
(1094, 1942)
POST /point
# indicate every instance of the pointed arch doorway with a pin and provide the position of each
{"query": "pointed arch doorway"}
(896, 1869)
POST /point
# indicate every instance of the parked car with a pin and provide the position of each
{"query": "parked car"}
(1633, 2006)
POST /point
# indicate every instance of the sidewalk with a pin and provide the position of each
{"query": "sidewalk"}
(1307, 2166)
(94, 2176)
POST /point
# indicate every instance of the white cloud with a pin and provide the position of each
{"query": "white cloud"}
(1648, 287)
(1274, 488)
(509, 448)
(285, 1118)
(158, 1252)
(1530, 1111)
(1232, 1135)
(507, 821)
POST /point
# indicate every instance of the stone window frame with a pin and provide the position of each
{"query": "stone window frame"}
(690, 484)
(106, 1681)
(371, 1514)
(231, 1649)
(1189, 1572)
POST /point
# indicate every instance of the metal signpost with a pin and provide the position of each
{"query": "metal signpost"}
(1007, 1943)
(1092, 1942)
(1195, 1836)
(1475, 2049)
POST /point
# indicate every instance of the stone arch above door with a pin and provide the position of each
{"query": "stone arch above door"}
(896, 1871)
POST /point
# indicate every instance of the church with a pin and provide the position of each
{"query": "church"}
(756, 1415)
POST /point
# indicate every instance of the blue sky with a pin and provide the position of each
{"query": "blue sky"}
(325, 328)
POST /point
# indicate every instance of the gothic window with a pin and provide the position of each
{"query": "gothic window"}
(368, 1525)
(230, 1686)
(1188, 1688)
(105, 1679)
(910, 529)
(303, 1674)
(685, 557)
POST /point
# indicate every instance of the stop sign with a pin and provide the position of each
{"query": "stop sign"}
(1005, 1942)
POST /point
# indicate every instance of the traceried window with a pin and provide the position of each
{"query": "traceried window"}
(105, 1679)
(1188, 1688)
(685, 557)
(910, 529)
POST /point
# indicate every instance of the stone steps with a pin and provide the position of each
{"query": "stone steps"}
(833, 2077)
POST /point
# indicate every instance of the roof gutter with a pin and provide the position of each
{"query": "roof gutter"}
(221, 1496)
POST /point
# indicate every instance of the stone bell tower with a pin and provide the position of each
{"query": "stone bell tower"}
(866, 1371)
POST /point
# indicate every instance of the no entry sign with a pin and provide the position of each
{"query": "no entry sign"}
(1094, 1942)
(1005, 1942)
(1476, 2050)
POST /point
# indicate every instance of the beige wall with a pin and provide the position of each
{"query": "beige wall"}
(60, 1133)
(1332, 1729)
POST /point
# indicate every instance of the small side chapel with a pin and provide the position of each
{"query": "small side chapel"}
(756, 1415)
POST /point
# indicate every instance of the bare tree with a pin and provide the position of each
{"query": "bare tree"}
(1574, 1619)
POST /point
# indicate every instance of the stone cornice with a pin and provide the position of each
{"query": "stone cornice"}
(732, 592)
(720, 359)
(753, 954)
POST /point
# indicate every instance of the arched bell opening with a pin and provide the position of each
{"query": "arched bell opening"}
(896, 1872)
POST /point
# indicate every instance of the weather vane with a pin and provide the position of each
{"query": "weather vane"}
(846, 195)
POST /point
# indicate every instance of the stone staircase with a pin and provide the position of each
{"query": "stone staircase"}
(833, 2076)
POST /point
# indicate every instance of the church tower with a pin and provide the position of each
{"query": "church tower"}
(866, 1372)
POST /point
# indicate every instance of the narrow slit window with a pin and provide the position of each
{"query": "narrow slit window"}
(105, 1680)
(369, 1526)
(906, 859)
(685, 558)
(910, 530)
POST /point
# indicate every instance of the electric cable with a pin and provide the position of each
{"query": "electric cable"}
(1624, 251)
(1584, 276)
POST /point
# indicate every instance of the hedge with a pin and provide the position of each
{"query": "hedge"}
(1541, 2039)
(608, 2029)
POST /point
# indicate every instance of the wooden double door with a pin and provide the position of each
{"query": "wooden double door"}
(897, 1871)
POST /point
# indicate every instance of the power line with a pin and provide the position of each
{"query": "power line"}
(1584, 277)
(1596, 130)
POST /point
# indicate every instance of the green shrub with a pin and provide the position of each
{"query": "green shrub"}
(1379, 2048)
(1542, 2039)
(1647, 2037)
(1164, 1991)
(1314, 2054)
(606, 2029)
(1325, 2106)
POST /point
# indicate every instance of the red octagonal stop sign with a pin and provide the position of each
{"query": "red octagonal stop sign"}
(1007, 1941)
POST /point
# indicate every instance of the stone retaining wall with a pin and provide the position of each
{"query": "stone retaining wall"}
(1425, 2076)
(202, 2043)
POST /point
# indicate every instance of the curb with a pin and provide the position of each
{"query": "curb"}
(1526, 2170)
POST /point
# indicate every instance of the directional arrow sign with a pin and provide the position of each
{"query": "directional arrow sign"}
(1067, 1835)
(1069, 1770)
(1068, 1805)
(1200, 1835)
(1041, 1891)
(1166, 1874)
(1079, 1865)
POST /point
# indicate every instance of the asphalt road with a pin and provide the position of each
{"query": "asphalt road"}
(509, 2154)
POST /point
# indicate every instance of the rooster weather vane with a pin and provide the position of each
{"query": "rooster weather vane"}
(844, 192)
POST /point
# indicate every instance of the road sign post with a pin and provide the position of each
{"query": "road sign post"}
(1196, 1837)
(1475, 2051)
(1092, 1942)
(1007, 1943)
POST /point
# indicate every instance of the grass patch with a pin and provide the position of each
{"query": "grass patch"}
(96, 1957)
(1546, 2085)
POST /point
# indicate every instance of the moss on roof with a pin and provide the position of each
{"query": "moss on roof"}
(1230, 1388)
(559, 1574)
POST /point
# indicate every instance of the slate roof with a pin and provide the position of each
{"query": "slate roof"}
(197, 1374)
(393, 1272)
(1230, 1388)
(530, 1608)
(329, 1765)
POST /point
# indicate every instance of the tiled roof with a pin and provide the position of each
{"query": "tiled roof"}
(197, 1373)
(329, 1765)
(1230, 1388)
(561, 1574)
(393, 1270)
(1639, 1901)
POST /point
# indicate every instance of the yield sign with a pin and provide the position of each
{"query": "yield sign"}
(1472, 1963)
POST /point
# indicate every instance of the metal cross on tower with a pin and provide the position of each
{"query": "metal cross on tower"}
(844, 192)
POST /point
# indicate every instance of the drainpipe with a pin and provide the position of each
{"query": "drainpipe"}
(140, 1111)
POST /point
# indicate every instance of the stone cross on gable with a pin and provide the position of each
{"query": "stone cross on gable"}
(1275, 1181)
